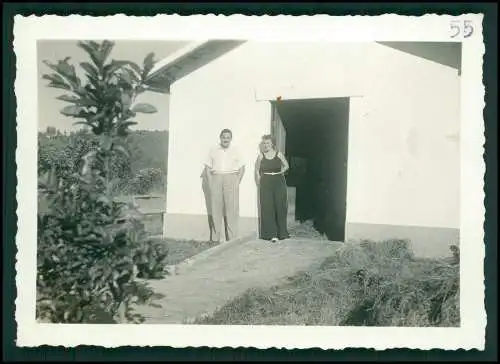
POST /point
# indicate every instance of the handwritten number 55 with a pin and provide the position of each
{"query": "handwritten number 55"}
(457, 28)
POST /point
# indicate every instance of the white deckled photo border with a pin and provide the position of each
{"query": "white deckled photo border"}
(319, 28)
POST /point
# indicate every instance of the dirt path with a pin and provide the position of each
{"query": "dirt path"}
(211, 281)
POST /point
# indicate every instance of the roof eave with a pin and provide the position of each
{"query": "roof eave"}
(187, 60)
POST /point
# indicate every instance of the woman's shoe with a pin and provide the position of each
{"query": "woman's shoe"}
(274, 240)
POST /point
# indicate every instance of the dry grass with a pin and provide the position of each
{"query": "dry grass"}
(305, 229)
(369, 284)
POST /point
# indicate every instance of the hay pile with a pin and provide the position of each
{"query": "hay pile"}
(305, 229)
(363, 284)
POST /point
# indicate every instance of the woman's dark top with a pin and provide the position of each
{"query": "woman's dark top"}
(270, 165)
(273, 200)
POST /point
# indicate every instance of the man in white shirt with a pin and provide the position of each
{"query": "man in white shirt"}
(225, 170)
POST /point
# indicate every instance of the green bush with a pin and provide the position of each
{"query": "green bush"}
(85, 260)
(142, 171)
(64, 155)
(146, 180)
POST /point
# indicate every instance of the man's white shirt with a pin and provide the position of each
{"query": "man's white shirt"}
(224, 160)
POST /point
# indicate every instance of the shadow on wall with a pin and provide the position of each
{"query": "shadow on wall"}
(208, 200)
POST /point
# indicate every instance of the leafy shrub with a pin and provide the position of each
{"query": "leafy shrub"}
(62, 155)
(85, 260)
(146, 180)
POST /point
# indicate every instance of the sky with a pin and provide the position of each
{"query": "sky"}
(54, 50)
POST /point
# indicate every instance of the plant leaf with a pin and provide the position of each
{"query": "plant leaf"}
(135, 70)
(93, 44)
(127, 124)
(107, 143)
(65, 69)
(123, 127)
(105, 49)
(158, 89)
(86, 123)
(91, 49)
(87, 102)
(121, 149)
(113, 67)
(134, 66)
(73, 111)
(128, 77)
(68, 98)
(68, 71)
(50, 65)
(98, 117)
(144, 108)
(90, 69)
(112, 92)
(57, 81)
(135, 77)
(127, 114)
(86, 97)
(54, 77)
(60, 86)
(126, 100)
(148, 64)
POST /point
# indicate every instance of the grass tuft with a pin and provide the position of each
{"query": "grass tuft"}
(362, 284)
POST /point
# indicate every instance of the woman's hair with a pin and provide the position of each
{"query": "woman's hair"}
(269, 137)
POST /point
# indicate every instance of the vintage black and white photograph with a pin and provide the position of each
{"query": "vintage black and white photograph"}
(249, 182)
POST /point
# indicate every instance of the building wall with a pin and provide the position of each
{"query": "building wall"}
(403, 138)
(404, 145)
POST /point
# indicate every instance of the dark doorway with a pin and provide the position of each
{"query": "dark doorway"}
(313, 133)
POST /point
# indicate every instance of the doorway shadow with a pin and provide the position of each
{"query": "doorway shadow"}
(316, 145)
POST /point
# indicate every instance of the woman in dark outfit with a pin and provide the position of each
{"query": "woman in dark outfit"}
(269, 175)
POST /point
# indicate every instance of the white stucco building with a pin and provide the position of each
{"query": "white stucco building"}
(375, 125)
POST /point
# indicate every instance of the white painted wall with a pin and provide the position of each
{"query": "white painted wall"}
(404, 163)
(403, 152)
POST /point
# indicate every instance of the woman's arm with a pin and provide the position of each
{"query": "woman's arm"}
(284, 163)
(257, 169)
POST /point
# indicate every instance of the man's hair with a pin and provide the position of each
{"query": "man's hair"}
(226, 131)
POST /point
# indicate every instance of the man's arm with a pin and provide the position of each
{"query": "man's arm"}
(206, 173)
(209, 164)
(241, 172)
